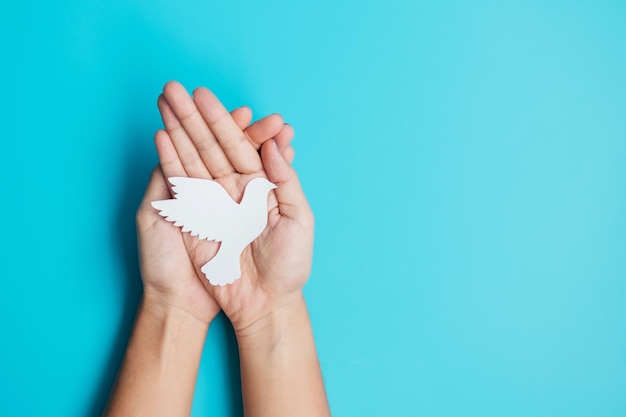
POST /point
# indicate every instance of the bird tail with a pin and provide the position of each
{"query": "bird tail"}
(224, 268)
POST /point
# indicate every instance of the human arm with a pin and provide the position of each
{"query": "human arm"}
(159, 372)
(280, 370)
(160, 366)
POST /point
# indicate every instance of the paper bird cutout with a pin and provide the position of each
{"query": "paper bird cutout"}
(204, 208)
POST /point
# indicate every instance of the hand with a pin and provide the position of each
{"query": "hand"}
(202, 140)
(168, 274)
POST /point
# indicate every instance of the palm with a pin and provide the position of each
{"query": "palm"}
(168, 259)
(165, 266)
(203, 141)
(271, 266)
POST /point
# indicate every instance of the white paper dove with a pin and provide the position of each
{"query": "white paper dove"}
(204, 208)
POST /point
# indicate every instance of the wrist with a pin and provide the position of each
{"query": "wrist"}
(161, 362)
(155, 305)
(279, 361)
(278, 321)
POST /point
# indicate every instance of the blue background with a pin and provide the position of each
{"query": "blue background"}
(465, 161)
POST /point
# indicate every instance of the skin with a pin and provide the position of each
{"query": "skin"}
(279, 365)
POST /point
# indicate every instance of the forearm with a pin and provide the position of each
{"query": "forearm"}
(159, 372)
(279, 366)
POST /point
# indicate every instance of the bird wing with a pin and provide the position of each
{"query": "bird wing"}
(202, 207)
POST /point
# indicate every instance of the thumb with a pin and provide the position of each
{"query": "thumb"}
(157, 190)
(291, 200)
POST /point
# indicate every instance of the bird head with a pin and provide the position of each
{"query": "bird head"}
(258, 189)
(262, 184)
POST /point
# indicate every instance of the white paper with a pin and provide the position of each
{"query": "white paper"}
(204, 208)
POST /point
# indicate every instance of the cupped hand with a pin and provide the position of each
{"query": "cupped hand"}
(202, 140)
(168, 274)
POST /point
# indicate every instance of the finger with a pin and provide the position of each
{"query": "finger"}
(291, 200)
(157, 187)
(185, 149)
(171, 165)
(156, 190)
(241, 154)
(203, 139)
(289, 154)
(285, 136)
(264, 129)
(168, 158)
(242, 116)
(269, 127)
